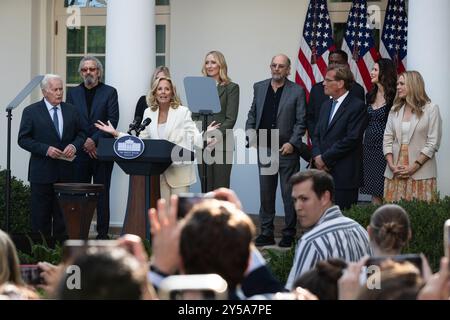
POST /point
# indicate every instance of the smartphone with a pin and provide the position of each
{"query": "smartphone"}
(31, 274)
(415, 259)
(73, 248)
(187, 200)
(193, 287)
(447, 239)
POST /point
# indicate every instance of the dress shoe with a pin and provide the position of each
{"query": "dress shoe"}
(102, 237)
(263, 240)
(286, 242)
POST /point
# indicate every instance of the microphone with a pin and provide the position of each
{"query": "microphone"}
(144, 124)
(136, 122)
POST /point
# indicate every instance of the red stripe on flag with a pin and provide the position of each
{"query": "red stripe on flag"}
(306, 66)
(299, 81)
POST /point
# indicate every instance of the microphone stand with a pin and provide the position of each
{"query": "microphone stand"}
(13, 104)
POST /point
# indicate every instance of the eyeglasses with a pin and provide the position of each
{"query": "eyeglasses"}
(329, 80)
(92, 69)
(275, 65)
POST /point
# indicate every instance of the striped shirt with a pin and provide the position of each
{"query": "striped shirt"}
(334, 236)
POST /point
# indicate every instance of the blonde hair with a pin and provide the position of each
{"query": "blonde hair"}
(416, 96)
(9, 261)
(223, 68)
(152, 102)
(159, 69)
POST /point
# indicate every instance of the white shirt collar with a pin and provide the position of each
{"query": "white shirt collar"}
(50, 106)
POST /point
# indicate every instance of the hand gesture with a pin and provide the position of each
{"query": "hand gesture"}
(213, 126)
(106, 128)
(165, 236)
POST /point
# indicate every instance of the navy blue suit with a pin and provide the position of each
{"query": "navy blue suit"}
(105, 107)
(36, 134)
(340, 144)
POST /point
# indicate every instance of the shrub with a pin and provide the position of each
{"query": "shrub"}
(19, 219)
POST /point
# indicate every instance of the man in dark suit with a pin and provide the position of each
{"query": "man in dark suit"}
(95, 101)
(317, 96)
(337, 139)
(52, 131)
(278, 109)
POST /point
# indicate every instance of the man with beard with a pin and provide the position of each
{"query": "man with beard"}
(95, 101)
(278, 108)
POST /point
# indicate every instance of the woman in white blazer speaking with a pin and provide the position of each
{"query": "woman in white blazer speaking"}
(173, 122)
(411, 139)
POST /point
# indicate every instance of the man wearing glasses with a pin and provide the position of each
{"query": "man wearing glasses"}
(95, 101)
(317, 96)
(337, 139)
(278, 110)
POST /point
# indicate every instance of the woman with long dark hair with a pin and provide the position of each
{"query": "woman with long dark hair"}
(379, 102)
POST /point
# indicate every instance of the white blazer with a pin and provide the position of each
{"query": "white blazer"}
(181, 130)
(424, 137)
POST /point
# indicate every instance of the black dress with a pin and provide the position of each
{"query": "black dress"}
(374, 162)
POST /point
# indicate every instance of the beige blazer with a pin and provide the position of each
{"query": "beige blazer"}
(181, 130)
(424, 137)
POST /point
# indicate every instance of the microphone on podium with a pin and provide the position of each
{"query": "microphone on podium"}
(134, 125)
(144, 124)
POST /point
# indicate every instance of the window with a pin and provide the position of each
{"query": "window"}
(339, 9)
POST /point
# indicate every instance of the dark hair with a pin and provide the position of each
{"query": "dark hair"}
(106, 274)
(216, 238)
(344, 73)
(391, 227)
(321, 180)
(341, 53)
(388, 80)
(322, 280)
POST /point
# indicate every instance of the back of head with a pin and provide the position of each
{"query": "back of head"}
(105, 273)
(397, 281)
(390, 228)
(322, 280)
(9, 261)
(216, 238)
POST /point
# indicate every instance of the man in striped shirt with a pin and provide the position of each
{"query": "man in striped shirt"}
(328, 234)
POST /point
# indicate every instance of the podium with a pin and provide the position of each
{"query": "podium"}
(78, 202)
(155, 159)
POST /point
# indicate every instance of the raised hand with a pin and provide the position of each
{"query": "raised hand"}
(108, 128)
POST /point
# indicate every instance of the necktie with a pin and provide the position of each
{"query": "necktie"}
(333, 106)
(56, 120)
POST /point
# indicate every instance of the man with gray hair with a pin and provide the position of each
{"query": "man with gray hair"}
(52, 131)
(95, 101)
(278, 109)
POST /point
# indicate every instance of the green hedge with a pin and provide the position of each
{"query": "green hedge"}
(19, 219)
(427, 222)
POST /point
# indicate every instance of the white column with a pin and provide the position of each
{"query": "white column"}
(130, 60)
(428, 53)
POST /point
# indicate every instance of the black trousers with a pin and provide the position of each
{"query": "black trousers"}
(345, 198)
(268, 184)
(46, 215)
(100, 172)
(218, 174)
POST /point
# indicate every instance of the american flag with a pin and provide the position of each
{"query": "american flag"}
(359, 44)
(315, 46)
(395, 33)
